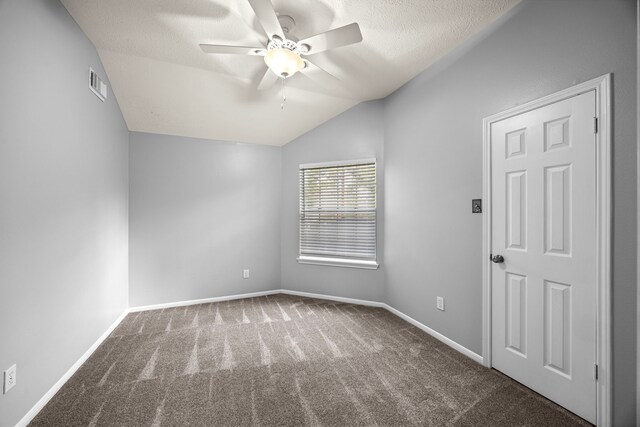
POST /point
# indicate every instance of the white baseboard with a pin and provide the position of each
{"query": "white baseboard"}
(437, 335)
(58, 385)
(333, 298)
(451, 343)
(201, 301)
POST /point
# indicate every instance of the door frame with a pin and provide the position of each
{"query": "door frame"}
(602, 87)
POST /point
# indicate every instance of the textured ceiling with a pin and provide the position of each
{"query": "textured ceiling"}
(165, 84)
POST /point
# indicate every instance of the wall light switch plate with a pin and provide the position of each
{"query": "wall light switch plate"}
(10, 379)
(245, 274)
(440, 303)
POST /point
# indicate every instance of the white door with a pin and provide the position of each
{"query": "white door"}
(543, 186)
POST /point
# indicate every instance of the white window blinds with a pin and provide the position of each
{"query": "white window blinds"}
(338, 211)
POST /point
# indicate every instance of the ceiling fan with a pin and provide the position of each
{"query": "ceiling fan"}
(283, 54)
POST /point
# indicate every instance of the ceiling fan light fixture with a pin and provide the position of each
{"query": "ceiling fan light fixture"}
(283, 62)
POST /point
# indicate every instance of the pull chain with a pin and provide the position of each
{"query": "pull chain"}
(284, 97)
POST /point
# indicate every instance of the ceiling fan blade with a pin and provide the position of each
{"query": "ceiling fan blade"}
(239, 50)
(268, 80)
(326, 83)
(318, 74)
(331, 39)
(267, 18)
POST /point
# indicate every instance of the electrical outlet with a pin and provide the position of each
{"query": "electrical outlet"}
(440, 303)
(245, 274)
(10, 378)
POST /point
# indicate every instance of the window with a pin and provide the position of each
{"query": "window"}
(338, 214)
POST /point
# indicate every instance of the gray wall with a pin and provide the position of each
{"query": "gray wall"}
(200, 212)
(433, 148)
(63, 201)
(354, 134)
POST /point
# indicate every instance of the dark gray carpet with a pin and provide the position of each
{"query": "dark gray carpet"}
(283, 360)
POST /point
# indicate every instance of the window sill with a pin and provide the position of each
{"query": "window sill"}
(335, 262)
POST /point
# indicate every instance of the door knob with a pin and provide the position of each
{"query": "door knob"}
(498, 259)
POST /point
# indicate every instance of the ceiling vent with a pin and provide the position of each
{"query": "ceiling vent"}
(96, 85)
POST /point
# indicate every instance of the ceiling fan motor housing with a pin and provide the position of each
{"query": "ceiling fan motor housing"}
(276, 43)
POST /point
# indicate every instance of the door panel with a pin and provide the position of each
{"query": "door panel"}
(516, 310)
(543, 223)
(557, 215)
(517, 210)
(557, 331)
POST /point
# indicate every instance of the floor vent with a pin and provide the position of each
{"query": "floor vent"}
(96, 85)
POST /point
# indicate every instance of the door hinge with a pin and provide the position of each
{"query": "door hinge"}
(595, 125)
(596, 371)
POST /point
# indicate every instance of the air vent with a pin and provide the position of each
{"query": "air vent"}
(96, 85)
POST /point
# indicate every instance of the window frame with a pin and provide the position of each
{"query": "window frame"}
(339, 261)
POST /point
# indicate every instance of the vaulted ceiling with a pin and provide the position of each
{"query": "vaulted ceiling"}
(165, 84)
